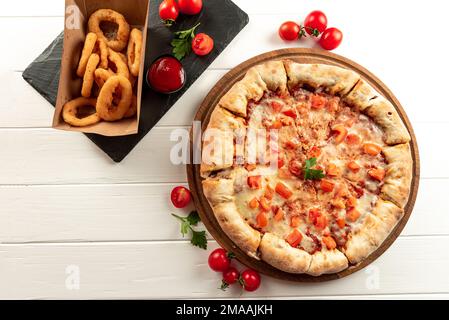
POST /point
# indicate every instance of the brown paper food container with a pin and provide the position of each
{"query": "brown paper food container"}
(77, 13)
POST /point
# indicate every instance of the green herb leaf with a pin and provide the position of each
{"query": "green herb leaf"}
(312, 174)
(182, 42)
(193, 218)
(199, 239)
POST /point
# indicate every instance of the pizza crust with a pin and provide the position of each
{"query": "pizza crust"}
(397, 182)
(222, 139)
(360, 96)
(274, 75)
(333, 80)
(251, 87)
(385, 116)
(220, 194)
(278, 253)
(329, 261)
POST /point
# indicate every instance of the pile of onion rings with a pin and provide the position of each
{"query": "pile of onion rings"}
(109, 67)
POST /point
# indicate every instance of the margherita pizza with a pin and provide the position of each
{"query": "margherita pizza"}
(342, 173)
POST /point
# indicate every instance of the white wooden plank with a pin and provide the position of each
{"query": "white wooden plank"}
(137, 212)
(22, 106)
(176, 269)
(46, 156)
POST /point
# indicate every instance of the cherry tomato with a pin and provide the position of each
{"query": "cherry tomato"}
(202, 44)
(331, 38)
(231, 275)
(190, 7)
(290, 31)
(219, 260)
(180, 197)
(250, 280)
(315, 23)
(168, 11)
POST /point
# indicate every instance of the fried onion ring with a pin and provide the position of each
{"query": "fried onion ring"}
(101, 48)
(101, 75)
(88, 79)
(70, 112)
(132, 108)
(89, 45)
(121, 39)
(115, 98)
(121, 66)
(134, 51)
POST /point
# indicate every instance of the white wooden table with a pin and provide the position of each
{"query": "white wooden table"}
(67, 210)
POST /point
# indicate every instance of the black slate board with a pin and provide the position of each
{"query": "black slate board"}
(221, 19)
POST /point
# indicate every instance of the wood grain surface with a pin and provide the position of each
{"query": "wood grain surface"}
(301, 55)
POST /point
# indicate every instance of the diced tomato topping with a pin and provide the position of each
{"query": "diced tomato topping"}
(255, 182)
(353, 139)
(352, 201)
(292, 143)
(290, 113)
(318, 102)
(294, 238)
(340, 133)
(277, 124)
(269, 192)
(313, 215)
(314, 152)
(295, 221)
(332, 170)
(353, 166)
(264, 204)
(279, 214)
(277, 106)
(377, 173)
(341, 223)
(352, 214)
(280, 162)
(283, 190)
(253, 204)
(329, 242)
(321, 222)
(326, 185)
(372, 149)
(250, 166)
(262, 220)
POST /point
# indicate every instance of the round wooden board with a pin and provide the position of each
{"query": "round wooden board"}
(203, 114)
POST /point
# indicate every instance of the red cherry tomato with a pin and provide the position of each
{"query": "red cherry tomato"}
(190, 7)
(290, 31)
(250, 280)
(331, 38)
(219, 260)
(202, 44)
(315, 22)
(168, 11)
(180, 197)
(231, 275)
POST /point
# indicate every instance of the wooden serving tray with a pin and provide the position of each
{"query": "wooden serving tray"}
(203, 114)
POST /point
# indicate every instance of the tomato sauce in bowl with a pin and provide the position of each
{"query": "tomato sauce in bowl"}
(166, 75)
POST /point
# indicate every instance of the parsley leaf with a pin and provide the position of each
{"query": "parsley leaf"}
(182, 43)
(312, 174)
(198, 237)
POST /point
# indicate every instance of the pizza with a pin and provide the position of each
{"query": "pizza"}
(341, 173)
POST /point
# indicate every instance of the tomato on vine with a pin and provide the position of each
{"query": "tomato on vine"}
(331, 39)
(168, 11)
(315, 23)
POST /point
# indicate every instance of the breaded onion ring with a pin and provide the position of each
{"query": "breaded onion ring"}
(88, 79)
(101, 48)
(121, 66)
(121, 39)
(132, 108)
(134, 51)
(101, 75)
(89, 45)
(131, 78)
(70, 112)
(115, 98)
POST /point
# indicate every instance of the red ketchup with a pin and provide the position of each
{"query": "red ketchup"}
(166, 75)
